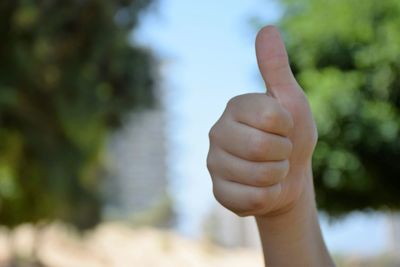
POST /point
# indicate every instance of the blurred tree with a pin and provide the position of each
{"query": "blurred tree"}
(68, 74)
(346, 54)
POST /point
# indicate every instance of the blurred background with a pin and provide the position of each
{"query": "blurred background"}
(105, 107)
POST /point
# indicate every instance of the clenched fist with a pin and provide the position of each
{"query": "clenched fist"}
(261, 147)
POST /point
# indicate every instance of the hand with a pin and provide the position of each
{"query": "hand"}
(261, 147)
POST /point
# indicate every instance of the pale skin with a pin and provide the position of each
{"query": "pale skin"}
(260, 161)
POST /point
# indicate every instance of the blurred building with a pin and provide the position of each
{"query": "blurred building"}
(136, 188)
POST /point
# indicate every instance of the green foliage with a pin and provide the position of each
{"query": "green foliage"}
(67, 76)
(346, 55)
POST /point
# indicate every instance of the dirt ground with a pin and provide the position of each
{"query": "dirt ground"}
(118, 245)
(113, 245)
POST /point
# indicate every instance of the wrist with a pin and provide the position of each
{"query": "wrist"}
(294, 231)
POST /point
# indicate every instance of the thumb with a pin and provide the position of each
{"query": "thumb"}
(273, 63)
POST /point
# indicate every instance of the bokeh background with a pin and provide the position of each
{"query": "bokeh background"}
(105, 108)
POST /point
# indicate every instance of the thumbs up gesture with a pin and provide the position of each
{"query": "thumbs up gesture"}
(261, 147)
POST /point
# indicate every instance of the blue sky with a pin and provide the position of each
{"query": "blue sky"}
(206, 52)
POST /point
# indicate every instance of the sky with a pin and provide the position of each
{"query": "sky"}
(206, 53)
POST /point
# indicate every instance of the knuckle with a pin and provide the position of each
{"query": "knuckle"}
(211, 166)
(217, 194)
(266, 117)
(272, 117)
(269, 117)
(239, 99)
(213, 133)
(257, 199)
(221, 198)
(275, 116)
(232, 102)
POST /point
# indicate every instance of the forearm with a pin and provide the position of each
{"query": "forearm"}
(294, 238)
